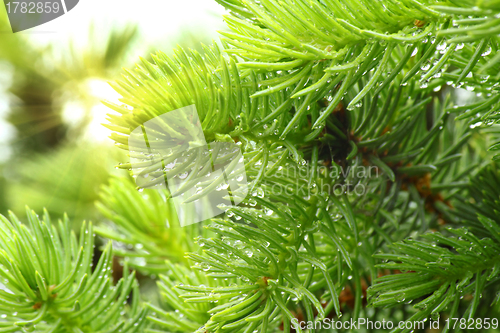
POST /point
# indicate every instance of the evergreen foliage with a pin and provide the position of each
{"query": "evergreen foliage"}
(51, 286)
(320, 96)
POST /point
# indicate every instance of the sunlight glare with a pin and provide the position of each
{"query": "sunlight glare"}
(101, 90)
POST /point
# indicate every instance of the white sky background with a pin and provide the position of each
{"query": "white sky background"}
(159, 21)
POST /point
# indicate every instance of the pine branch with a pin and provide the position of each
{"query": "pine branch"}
(281, 88)
(146, 223)
(49, 284)
(442, 268)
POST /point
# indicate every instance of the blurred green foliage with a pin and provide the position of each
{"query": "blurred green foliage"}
(67, 180)
(51, 166)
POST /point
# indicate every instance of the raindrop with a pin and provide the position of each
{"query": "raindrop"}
(222, 187)
(400, 297)
(487, 52)
(442, 46)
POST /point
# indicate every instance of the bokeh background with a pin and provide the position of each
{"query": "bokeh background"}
(54, 152)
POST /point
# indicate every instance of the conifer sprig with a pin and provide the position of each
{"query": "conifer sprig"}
(144, 225)
(442, 268)
(50, 284)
